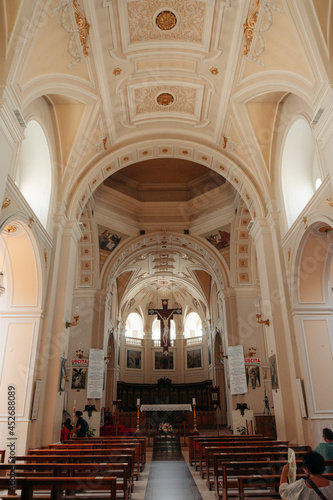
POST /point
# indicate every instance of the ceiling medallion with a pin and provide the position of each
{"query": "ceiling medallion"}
(166, 20)
(165, 99)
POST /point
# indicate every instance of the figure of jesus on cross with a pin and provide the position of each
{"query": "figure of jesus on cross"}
(164, 316)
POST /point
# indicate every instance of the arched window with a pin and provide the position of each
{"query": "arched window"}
(300, 171)
(34, 171)
(156, 330)
(193, 325)
(134, 326)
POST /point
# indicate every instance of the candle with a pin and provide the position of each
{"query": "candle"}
(138, 402)
(193, 401)
(77, 310)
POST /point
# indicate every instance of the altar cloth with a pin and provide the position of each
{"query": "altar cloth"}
(187, 407)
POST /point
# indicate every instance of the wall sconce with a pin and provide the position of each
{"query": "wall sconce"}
(89, 409)
(2, 288)
(222, 355)
(108, 357)
(79, 353)
(262, 321)
(252, 352)
(75, 317)
(259, 316)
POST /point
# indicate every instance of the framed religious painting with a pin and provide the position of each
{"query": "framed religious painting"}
(134, 359)
(79, 376)
(252, 375)
(274, 374)
(193, 358)
(162, 362)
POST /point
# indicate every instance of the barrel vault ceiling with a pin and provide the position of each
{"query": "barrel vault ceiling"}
(145, 88)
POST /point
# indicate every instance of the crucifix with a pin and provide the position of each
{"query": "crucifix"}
(164, 316)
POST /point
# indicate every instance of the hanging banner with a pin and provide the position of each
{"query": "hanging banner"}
(95, 374)
(238, 383)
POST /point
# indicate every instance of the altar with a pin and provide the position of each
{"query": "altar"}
(174, 414)
(166, 407)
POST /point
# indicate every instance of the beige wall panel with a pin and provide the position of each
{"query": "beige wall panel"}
(23, 270)
(319, 354)
(15, 365)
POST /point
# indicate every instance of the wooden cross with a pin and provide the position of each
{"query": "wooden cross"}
(164, 316)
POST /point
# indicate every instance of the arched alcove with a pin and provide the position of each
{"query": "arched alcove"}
(193, 325)
(20, 317)
(312, 306)
(134, 326)
(34, 177)
(299, 168)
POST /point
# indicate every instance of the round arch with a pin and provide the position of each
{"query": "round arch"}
(154, 149)
(206, 255)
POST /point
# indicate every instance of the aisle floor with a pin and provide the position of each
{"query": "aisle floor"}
(169, 480)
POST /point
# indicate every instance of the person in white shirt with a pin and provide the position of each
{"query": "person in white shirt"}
(313, 487)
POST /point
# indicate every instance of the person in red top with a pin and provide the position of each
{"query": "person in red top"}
(66, 430)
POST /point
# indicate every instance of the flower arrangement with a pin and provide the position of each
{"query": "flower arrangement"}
(165, 428)
(91, 432)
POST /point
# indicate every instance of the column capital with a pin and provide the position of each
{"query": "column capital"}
(8, 122)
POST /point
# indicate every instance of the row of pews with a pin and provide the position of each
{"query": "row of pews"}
(105, 467)
(243, 466)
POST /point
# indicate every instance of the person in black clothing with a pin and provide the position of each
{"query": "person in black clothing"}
(80, 428)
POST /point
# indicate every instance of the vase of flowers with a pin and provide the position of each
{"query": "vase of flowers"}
(165, 428)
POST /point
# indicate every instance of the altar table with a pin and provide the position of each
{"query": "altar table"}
(166, 407)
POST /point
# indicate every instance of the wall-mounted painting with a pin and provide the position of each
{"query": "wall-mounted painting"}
(133, 359)
(108, 240)
(193, 358)
(273, 368)
(220, 237)
(252, 375)
(162, 362)
(62, 374)
(79, 376)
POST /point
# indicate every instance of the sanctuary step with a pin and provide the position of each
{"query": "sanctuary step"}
(167, 448)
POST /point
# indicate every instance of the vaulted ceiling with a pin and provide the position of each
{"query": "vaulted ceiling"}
(160, 107)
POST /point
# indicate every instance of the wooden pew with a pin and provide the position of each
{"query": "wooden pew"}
(114, 456)
(57, 485)
(262, 483)
(261, 457)
(199, 451)
(119, 470)
(194, 440)
(232, 470)
(206, 461)
(85, 443)
(120, 447)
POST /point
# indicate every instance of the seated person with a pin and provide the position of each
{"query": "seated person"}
(306, 489)
(65, 433)
(326, 448)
